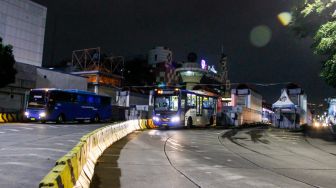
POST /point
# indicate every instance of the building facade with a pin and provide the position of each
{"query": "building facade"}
(246, 107)
(22, 25)
(159, 55)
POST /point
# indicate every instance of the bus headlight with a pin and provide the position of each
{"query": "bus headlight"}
(26, 114)
(175, 119)
(155, 118)
(42, 114)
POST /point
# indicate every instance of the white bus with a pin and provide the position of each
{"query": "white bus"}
(184, 108)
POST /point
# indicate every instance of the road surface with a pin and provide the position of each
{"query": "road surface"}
(256, 157)
(29, 151)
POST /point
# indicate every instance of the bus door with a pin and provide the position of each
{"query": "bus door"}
(183, 104)
(198, 106)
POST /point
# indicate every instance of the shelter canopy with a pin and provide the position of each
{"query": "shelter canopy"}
(284, 101)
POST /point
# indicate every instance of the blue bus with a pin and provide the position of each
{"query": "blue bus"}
(60, 105)
(184, 108)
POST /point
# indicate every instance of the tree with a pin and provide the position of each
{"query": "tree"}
(7, 61)
(317, 19)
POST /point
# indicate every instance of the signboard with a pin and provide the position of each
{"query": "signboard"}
(243, 91)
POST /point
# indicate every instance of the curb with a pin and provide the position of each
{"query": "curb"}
(76, 168)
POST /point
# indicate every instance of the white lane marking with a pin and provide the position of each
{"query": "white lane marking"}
(175, 148)
(27, 128)
(175, 143)
(194, 146)
(13, 130)
(229, 160)
(52, 126)
(2, 132)
(207, 158)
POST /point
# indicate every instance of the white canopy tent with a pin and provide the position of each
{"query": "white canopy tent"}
(285, 106)
(284, 102)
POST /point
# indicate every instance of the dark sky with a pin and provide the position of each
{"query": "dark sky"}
(132, 27)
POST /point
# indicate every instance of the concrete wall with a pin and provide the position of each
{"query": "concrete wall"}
(12, 96)
(22, 24)
(51, 79)
(255, 101)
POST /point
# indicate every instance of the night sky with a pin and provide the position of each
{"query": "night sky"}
(132, 27)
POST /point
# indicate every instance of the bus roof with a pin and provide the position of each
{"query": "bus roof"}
(199, 92)
(65, 90)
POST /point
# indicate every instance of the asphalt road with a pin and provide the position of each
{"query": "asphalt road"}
(29, 151)
(256, 157)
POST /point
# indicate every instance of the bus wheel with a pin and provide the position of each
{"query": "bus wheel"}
(60, 119)
(189, 123)
(43, 121)
(211, 121)
(96, 119)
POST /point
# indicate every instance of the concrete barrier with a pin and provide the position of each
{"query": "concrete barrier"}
(10, 117)
(76, 168)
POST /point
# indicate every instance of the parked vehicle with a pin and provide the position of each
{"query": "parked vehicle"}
(62, 105)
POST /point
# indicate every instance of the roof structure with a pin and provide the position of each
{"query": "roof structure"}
(284, 101)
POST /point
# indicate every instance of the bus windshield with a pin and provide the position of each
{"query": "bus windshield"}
(37, 99)
(166, 103)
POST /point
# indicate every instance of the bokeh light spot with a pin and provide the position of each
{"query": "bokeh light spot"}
(260, 35)
(285, 18)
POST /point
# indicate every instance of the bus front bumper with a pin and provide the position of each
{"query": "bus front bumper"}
(161, 123)
(35, 115)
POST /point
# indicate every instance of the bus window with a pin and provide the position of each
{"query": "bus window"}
(36, 99)
(182, 103)
(105, 100)
(211, 102)
(81, 99)
(206, 102)
(58, 96)
(199, 105)
(166, 103)
(191, 99)
(174, 103)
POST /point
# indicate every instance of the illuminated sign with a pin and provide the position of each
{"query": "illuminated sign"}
(167, 92)
(203, 64)
(212, 69)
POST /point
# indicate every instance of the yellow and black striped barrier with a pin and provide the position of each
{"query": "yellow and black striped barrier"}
(76, 168)
(10, 117)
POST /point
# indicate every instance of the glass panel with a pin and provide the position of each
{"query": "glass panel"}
(37, 99)
(206, 102)
(166, 103)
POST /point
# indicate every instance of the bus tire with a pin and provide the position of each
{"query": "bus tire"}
(43, 121)
(96, 119)
(189, 123)
(60, 119)
(211, 121)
